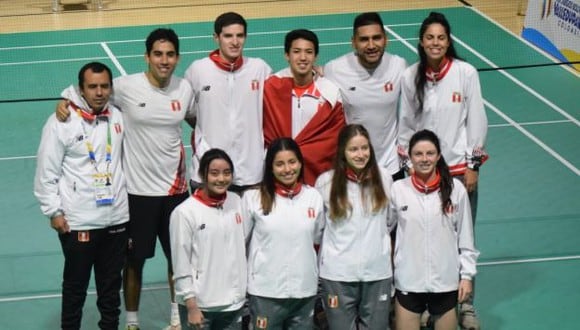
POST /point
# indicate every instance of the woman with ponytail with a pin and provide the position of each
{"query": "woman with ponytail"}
(442, 93)
(355, 256)
(435, 258)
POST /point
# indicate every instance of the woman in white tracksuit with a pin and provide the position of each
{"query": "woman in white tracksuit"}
(284, 219)
(435, 257)
(208, 250)
(355, 257)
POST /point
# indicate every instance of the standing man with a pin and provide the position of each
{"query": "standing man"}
(154, 104)
(369, 79)
(81, 187)
(304, 106)
(228, 90)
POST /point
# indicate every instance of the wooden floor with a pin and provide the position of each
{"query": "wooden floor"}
(37, 15)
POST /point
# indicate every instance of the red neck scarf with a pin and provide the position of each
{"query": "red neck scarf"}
(428, 187)
(89, 116)
(301, 90)
(224, 64)
(216, 202)
(352, 176)
(444, 67)
(288, 192)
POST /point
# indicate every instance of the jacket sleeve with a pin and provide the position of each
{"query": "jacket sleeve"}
(181, 236)
(476, 125)
(407, 119)
(247, 214)
(49, 162)
(467, 252)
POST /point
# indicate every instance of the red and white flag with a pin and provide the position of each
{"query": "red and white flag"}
(175, 105)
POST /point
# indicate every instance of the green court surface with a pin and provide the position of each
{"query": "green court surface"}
(528, 219)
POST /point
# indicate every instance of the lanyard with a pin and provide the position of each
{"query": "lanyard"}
(90, 149)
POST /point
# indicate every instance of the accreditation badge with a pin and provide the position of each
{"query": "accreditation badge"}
(103, 186)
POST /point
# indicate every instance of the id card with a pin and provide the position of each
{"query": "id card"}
(102, 184)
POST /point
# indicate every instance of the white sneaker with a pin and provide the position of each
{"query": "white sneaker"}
(468, 318)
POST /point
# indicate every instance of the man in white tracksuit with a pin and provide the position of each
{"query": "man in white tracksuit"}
(81, 187)
(228, 90)
(370, 82)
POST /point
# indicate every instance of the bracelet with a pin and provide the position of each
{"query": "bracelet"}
(57, 213)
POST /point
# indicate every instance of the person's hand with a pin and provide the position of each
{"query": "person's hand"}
(319, 70)
(60, 224)
(470, 179)
(194, 315)
(465, 290)
(62, 111)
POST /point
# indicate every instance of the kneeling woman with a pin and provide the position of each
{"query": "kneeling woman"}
(284, 222)
(208, 250)
(435, 256)
(355, 257)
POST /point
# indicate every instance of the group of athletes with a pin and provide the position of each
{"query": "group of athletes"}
(302, 182)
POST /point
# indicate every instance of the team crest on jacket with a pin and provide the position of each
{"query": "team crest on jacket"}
(255, 84)
(311, 213)
(388, 86)
(456, 97)
(332, 301)
(175, 105)
(83, 236)
(118, 128)
(261, 322)
(450, 209)
(238, 218)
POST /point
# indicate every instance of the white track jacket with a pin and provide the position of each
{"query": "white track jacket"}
(208, 253)
(357, 248)
(433, 251)
(282, 262)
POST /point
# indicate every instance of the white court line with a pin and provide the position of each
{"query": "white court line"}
(58, 295)
(78, 44)
(527, 261)
(114, 59)
(513, 122)
(246, 49)
(164, 287)
(533, 138)
(519, 83)
(531, 123)
(86, 59)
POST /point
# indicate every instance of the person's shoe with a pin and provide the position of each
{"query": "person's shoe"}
(132, 327)
(468, 318)
(173, 327)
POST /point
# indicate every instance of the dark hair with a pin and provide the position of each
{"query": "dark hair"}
(267, 187)
(208, 157)
(446, 184)
(300, 34)
(96, 67)
(370, 18)
(370, 176)
(162, 34)
(227, 19)
(420, 78)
